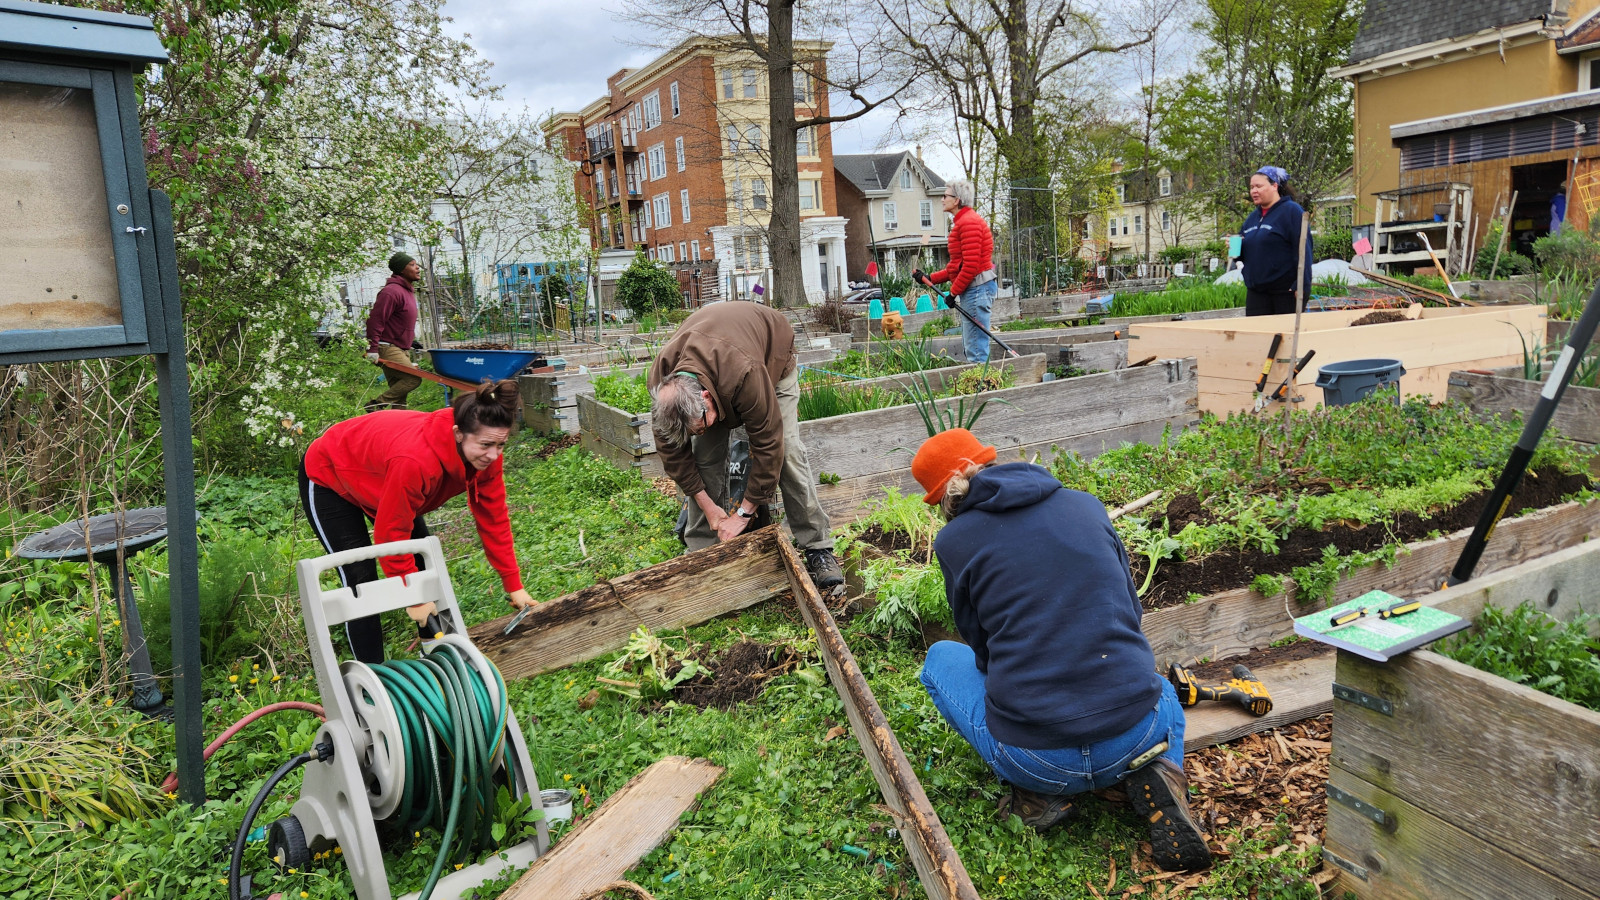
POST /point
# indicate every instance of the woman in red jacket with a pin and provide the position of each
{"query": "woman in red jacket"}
(392, 467)
(971, 270)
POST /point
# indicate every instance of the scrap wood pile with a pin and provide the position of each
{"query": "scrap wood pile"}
(1240, 790)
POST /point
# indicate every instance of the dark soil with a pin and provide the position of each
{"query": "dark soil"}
(739, 675)
(1229, 569)
(1222, 670)
(889, 541)
(484, 346)
(1380, 316)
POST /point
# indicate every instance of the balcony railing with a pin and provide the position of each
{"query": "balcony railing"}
(600, 146)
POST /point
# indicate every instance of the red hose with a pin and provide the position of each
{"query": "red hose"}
(171, 782)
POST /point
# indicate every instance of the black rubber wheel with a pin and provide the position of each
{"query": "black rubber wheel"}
(286, 844)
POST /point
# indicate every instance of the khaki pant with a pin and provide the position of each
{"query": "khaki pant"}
(400, 383)
(800, 507)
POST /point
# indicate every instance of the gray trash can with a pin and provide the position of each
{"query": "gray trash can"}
(1346, 382)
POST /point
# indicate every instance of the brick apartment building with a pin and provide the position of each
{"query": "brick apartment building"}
(674, 158)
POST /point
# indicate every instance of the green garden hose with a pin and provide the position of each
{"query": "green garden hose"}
(454, 739)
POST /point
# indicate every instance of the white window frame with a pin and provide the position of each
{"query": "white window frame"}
(663, 204)
(925, 213)
(1122, 193)
(810, 195)
(658, 161)
(739, 260)
(727, 84)
(677, 147)
(647, 224)
(1166, 220)
(805, 145)
(673, 91)
(802, 86)
(1164, 184)
(753, 143)
(650, 106)
(751, 87)
(905, 179)
(891, 215)
(758, 193)
(735, 142)
(1138, 224)
(683, 195)
(682, 252)
(694, 250)
(1586, 66)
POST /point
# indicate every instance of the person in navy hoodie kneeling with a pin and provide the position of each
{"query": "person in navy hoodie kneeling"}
(1055, 686)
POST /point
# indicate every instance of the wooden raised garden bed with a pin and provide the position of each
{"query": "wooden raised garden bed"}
(1439, 341)
(626, 438)
(1503, 391)
(1450, 782)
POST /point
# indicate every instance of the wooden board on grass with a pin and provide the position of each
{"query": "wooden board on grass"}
(1300, 689)
(685, 590)
(939, 867)
(612, 839)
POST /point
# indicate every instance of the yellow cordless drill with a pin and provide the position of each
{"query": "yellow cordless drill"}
(1243, 689)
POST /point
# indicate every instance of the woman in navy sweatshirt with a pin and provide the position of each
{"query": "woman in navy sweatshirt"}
(1267, 245)
(1055, 686)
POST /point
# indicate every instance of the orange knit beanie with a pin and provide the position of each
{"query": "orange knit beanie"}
(946, 454)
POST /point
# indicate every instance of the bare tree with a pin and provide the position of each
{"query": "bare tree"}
(855, 73)
(995, 61)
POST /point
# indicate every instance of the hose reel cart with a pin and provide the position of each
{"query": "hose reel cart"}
(445, 714)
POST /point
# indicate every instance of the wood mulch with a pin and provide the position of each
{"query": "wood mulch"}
(556, 445)
(1243, 788)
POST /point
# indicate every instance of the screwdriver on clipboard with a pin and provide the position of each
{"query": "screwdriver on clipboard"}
(1387, 612)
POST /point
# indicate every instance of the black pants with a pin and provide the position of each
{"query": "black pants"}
(341, 525)
(1268, 303)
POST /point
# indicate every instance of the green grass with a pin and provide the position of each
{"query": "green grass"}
(1194, 298)
(824, 400)
(623, 391)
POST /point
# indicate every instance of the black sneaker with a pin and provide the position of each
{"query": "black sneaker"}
(1040, 812)
(824, 570)
(1159, 792)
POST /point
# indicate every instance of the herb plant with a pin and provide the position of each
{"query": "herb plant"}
(1529, 647)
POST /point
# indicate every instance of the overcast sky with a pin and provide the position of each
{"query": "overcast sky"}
(557, 54)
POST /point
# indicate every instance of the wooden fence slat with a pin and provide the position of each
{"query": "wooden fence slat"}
(1577, 417)
(685, 590)
(938, 865)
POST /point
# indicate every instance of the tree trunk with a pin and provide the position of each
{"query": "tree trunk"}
(788, 287)
(1025, 162)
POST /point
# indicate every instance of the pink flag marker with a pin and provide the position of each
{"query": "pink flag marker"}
(758, 290)
(872, 269)
(1362, 247)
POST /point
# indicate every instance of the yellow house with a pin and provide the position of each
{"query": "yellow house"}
(1460, 105)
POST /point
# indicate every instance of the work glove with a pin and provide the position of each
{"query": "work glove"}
(920, 277)
(416, 345)
(372, 358)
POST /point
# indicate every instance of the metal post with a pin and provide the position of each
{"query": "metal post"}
(183, 543)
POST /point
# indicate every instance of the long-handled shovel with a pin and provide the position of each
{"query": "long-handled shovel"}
(955, 304)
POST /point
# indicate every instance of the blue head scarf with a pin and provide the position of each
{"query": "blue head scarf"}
(1274, 174)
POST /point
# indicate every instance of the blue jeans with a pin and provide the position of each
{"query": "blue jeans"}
(951, 676)
(977, 301)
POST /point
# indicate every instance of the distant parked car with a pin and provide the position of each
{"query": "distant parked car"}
(864, 296)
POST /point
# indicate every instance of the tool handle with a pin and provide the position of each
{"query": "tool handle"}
(1266, 368)
(1345, 618)
(431, 630)
(1400, 609)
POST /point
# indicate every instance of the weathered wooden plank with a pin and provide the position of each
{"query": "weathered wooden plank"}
(1424, 857)
(616, 427)
(1097, 356)
(1564, 584)
(608, 842)
(649, 465)
(549, 419)
(1236, 312)
(1232, 623)
(938, 865)
(882, 440)
(845, 502)
(951, 346)
(682, 591)
(1025, 370)
(1504, 762)
(1300, 689)
(1577, 417)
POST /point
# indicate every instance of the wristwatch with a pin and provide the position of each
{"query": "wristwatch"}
(739, 511)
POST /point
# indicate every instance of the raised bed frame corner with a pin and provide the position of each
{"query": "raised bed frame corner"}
(1503, 391)
(1467, 786)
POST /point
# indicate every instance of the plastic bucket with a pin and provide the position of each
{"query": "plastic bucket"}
(557, 804)
(1346, 382)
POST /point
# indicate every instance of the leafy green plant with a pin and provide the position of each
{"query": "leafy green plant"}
(648, 668)
(827, 478)
(646, 285)
(1183, 300)
(1530, 647)
(936, 418)
(1152, 544)
(623, 391)
(824, 400)
(78, 764)
(978, 380)
(1267, 585)
(936, 327)
(1571, 252)
(1510, 261)
(903, 514)
(907, 594)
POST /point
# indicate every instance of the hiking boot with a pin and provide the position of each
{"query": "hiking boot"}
(375, 406)
(825, 572)
(1041, 812)
(1159, 792)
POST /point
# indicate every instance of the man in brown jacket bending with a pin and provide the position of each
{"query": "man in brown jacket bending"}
(731, 364)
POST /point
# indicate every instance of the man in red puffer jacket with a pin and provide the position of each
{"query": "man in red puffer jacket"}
(971, 270)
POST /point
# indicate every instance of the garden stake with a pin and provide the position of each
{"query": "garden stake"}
(1522, 453)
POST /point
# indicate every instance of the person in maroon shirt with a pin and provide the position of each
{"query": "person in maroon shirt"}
(392, 331)
(393, 467)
